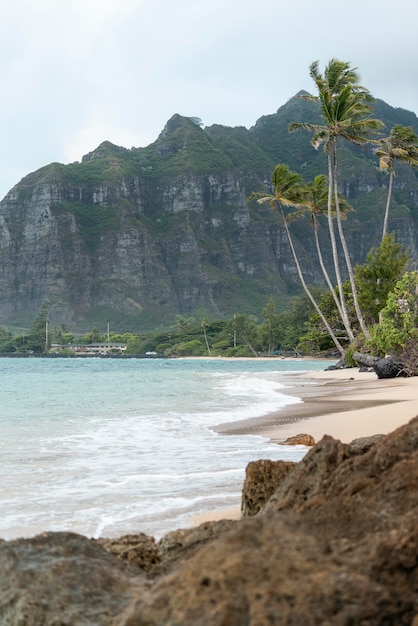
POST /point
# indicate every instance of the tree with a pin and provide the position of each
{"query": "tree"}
(270, 331)
(244, 326)
(204, 324)
(399, 318)
(401, 145)
(315, 202)
(288, 191)
(345, 109)
(376, 278)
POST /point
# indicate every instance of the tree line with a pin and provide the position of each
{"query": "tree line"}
(241, 335)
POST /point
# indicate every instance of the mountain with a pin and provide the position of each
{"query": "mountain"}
(137, 236)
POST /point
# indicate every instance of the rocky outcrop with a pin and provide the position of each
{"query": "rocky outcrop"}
(301, 439)
(140, 550)
(63, 578)
(183, 543)
(262, 478)
(336, 544)
(390, 367)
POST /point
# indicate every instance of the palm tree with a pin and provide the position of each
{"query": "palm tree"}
(204, 324)
(345, 110)
(288, 191)
(401, 145)
(315, 202)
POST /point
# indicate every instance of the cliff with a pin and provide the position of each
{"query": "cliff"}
(135, 237)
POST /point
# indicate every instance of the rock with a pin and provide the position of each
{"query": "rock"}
(307, 476)
(139, 549)
(299, 440)
(181, 544)
(262, 478)
(63, 579)
(389, 367)
(362, 444)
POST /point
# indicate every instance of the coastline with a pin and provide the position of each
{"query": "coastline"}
(346, 404)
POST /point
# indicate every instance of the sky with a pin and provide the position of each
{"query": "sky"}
(77, 73)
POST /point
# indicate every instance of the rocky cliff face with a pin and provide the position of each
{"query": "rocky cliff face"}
(138, 236)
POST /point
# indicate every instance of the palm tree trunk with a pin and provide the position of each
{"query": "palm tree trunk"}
(343, 305)
(306, 288)
(325, 273)
(389, 198)
(346, 252)
(206, 339)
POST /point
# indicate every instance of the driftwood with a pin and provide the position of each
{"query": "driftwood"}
(365, 359)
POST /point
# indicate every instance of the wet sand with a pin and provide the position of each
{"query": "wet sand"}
(345, 404)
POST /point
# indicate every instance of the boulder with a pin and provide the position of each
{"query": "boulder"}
(63, 579)
(140, 550)
(183, 543)
(299, 440)
(262, 478)
(389, 367)
(362, 444)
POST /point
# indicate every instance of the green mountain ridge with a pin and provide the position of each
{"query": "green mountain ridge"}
(137, 236)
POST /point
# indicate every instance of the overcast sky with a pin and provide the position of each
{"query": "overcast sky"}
(77, 73)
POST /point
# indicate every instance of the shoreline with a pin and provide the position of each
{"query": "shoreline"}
(346, 404)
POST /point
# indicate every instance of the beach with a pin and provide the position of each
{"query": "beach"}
(346, 404)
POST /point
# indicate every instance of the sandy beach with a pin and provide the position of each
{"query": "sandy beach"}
(346, 404)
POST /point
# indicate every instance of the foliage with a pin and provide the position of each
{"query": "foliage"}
(378, 276)
(398, 319)
(188, 348)
(401, 145)
(244, 327)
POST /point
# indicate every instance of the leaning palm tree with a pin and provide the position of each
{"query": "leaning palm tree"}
(314, 201)
(345, 110)
(401, 145)
(288, 191)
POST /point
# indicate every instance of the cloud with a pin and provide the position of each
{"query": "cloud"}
(75, 74)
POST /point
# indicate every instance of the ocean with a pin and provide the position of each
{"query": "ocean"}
(106, 447)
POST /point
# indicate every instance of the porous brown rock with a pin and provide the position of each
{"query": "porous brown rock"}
(139, 549)
(299, 440)
(336, 544)
(183, 543)
(362, 444)
(63, 579)
(262, 478)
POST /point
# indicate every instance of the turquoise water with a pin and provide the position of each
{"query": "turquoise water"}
(104, 447)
